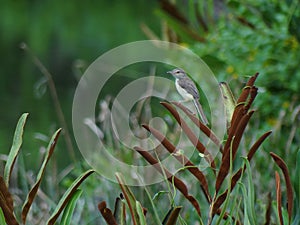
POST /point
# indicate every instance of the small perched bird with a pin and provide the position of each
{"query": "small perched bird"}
(188, 90)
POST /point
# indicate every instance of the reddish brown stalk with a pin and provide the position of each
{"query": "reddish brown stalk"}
(207, 131)
(238, 174)
(107, 214)
(190, 134)
(179, 184)
(278, 197)
(289, 188)
(182, 159)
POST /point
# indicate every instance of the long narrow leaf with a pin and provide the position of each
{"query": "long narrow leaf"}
(120, 210)
(182, 159)
(32, 193)
(289, 188)
(69, 210)
(268, 211)
(208, 132)
(67, 196)
(278, 198)
(179, 184)
(238, 174)
(130, 199)
(224, 168)
(172, 216)
(15, 148)
(140, 212)
(250, 195)
(190, 134)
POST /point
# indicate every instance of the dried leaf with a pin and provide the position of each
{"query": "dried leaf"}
(179, 184)
(182, 159)
(172, 216)
(190, 134)
(257, 144)
(107, 214)
(238, 174)
(208, 132)
(6, 204)
(224, 168)
(32, 193)
(240, 109)
(289, 188)
(278, 197)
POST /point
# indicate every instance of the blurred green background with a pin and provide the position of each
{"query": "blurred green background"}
(62, 35)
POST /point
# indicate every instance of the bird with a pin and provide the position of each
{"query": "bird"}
(188, 90)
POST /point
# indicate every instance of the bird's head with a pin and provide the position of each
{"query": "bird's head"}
(177, 73)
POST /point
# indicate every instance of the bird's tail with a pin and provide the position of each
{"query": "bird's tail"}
(200, 112)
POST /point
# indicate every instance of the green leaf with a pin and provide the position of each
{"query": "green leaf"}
(15, 148)
(248, 197)
(68, 212)
(120, 210)
(229, 101)
(140, 212)
(130, 199)
(67, 196)
(2, 219)
(32, 193)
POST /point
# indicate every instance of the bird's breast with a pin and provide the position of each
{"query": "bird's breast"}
(183, 92)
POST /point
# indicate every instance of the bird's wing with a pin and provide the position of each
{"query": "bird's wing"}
(188, 85)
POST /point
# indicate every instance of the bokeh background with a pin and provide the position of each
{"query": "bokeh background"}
(66, 37)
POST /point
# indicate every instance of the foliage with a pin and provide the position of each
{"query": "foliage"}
(242, 37)
(218, 199)
(6, 198)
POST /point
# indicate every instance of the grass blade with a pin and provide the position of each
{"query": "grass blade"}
(68, 212)
(67, 196)
(15, 148)
(32, 193)
(141, 213)
(250, 195)
(120, 210)
(131, 201)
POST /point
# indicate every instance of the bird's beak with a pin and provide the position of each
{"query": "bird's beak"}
(170, 72)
